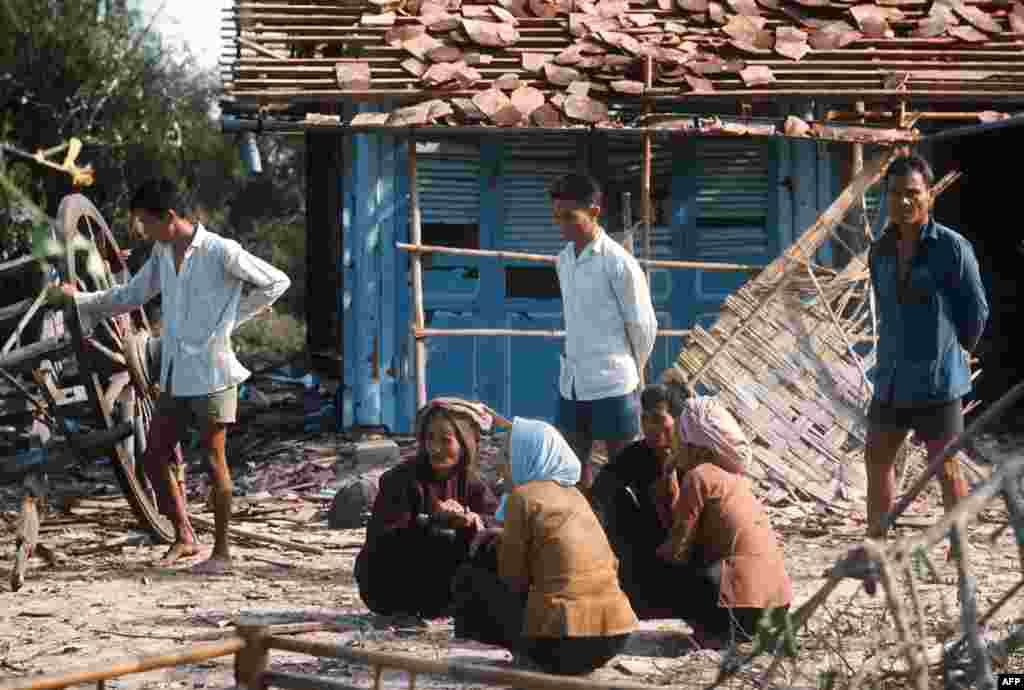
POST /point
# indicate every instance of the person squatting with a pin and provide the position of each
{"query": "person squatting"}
(563, 568)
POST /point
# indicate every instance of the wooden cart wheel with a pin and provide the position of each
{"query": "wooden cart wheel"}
(78, 219)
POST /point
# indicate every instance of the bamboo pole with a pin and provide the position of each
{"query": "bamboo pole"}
(416, 248)
(645, 180)
(259, 49)
(462, 672)
(416, 271)
(511, 332)
(645, 198)
(125, 667)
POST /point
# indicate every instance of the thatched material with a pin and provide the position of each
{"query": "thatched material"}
(789, 354)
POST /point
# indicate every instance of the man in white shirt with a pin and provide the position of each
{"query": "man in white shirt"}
(200, 276)
(610, 327)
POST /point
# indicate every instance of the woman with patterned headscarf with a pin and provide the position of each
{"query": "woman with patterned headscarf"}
(426, 514)
(555, 598)
(720, 538)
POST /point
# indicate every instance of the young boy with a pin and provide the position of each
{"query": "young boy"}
(610, 327)
(200, 276)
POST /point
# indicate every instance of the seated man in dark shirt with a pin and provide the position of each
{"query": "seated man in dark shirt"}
(624, 499)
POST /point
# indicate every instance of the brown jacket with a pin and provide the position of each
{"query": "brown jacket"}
(554, 547)
(717, 510)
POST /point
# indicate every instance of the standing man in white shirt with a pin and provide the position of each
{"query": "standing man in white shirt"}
(610, 327)
(200, 276)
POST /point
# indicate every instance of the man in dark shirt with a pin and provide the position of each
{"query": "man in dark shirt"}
(624, 499)
(932, 311)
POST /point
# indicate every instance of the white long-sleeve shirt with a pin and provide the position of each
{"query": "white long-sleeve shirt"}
(202, 306)
(605, 299)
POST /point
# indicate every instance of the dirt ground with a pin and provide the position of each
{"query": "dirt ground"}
(105, 599)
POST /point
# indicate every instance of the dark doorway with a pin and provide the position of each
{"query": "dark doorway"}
(984, 206)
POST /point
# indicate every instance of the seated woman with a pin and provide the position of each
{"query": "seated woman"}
(427, 512)
(555, 598)
(720, 538)
(624, 499)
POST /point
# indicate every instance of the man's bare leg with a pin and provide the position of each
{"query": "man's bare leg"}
(185, 545)
(220, 559)
(161, 446)
(951, 479)
(880, 465)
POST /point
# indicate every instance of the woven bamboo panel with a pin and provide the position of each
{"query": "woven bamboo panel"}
(788, 355)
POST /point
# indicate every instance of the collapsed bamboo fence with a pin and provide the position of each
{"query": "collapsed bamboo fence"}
(790, 354)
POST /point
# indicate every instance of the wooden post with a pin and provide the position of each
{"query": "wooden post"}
(252, 659)
(416, 265)
(646, 205)
(645, 180)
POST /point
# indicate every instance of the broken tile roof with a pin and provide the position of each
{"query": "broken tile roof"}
(554, 63)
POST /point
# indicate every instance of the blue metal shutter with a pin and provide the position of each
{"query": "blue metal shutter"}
(531, 165)
(449, 188)
(733, 200)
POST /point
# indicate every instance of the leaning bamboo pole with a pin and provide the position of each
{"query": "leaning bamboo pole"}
(512, 332)
(823, 228)
(416, 266)
(461, 672)
(417, 248)
(108, 670)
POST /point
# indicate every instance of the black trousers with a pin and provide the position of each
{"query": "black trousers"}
(700, 583)
(409, 572)
(488, 611)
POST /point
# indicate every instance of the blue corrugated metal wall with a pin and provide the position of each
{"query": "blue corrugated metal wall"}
(711, 182)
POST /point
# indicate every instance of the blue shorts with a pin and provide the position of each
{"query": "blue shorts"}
(607, 419)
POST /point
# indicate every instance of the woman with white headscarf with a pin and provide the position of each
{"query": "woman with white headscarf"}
(720, 539)
(555, 598)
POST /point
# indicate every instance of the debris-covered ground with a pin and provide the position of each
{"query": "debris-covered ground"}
(105, 600)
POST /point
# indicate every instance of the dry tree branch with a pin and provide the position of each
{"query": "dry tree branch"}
(1001, 603)
(910, 647)
(982, 671)
(915, 599)
(1015, 512)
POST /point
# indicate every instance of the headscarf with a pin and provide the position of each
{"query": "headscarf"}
(537, 452)
(469, 420)
(707, 423)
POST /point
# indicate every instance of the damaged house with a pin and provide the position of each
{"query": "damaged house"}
(741, 121)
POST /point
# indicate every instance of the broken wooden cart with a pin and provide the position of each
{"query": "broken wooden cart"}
(71, 396)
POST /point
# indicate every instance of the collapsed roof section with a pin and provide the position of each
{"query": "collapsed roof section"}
(557, 63)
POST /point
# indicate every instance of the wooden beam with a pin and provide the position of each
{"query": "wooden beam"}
(27, 357)
(552, 259)
(418, 316)
(491, 675)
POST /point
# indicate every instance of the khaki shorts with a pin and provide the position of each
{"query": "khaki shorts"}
(203, 410)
